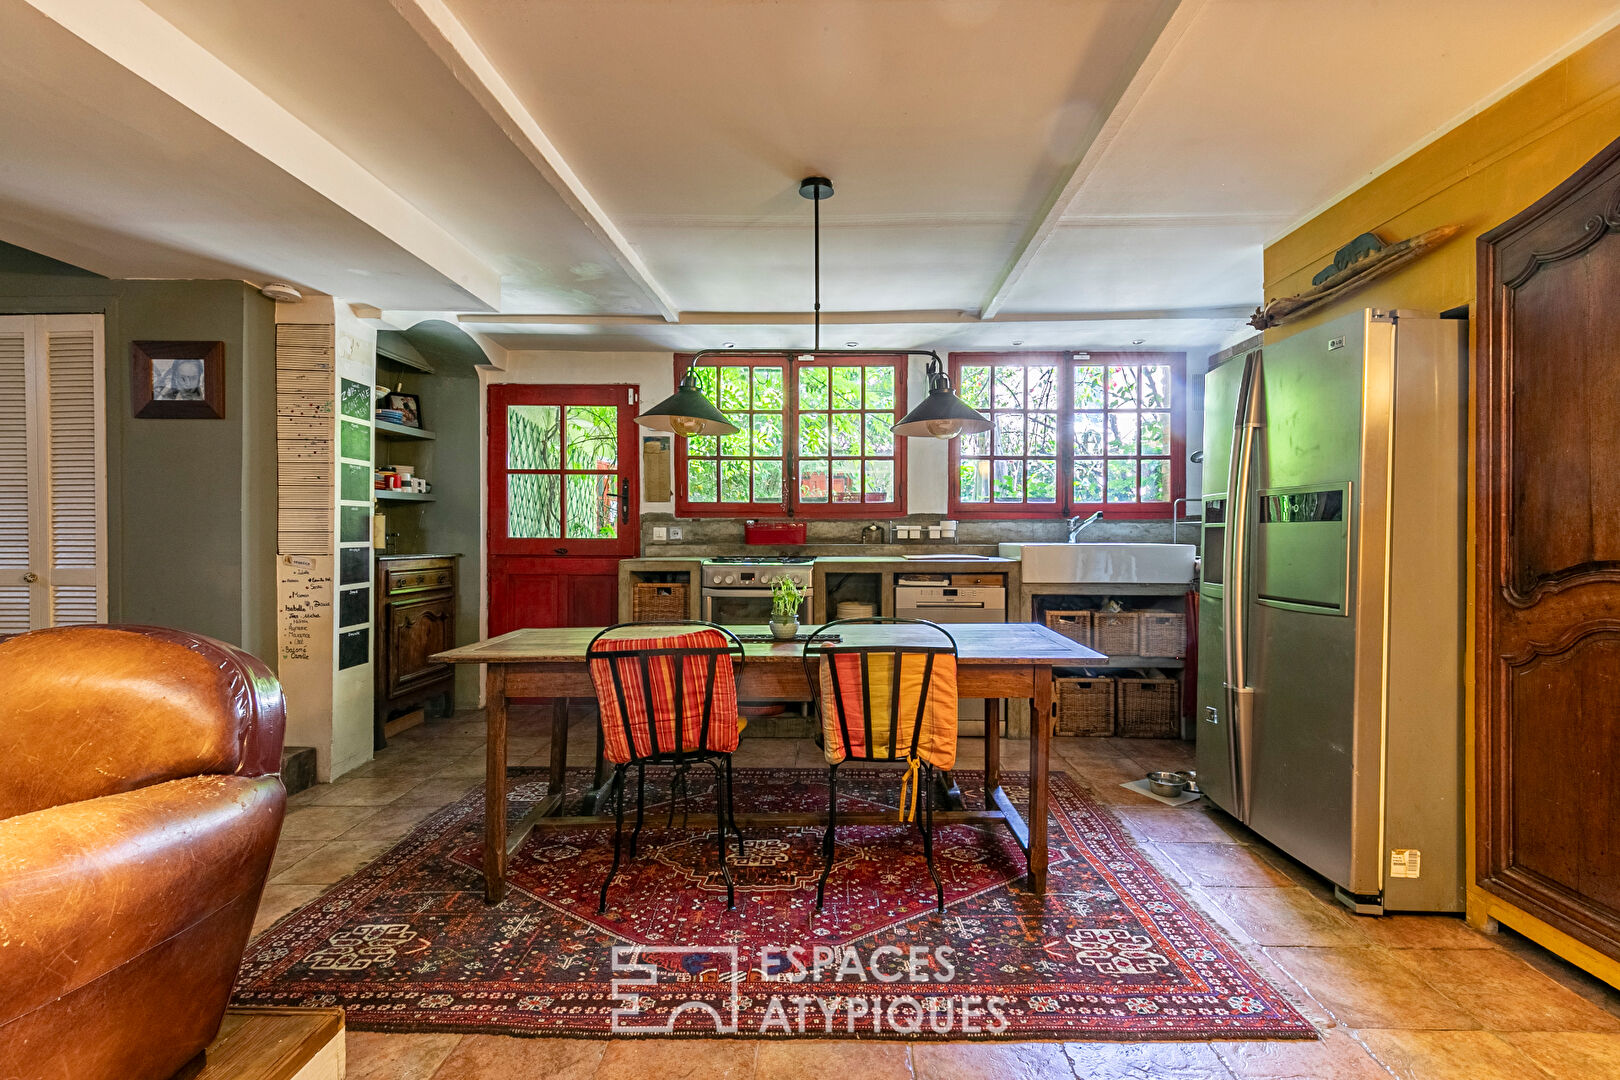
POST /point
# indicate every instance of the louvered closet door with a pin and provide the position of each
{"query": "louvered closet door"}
(52, 472)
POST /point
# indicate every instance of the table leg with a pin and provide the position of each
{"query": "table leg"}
(992, 749)
(558, 777)
(494, 783)
(1040, 757)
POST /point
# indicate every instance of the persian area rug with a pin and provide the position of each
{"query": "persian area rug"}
(1111, 952)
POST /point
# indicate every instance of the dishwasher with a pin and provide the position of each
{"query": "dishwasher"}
(946, 604)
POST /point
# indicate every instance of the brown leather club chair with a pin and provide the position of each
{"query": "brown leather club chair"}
(140, 803)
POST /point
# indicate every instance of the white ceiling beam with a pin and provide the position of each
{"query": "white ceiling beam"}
(136, 38)
(445, 34)
(1144, 66)
(858, 318)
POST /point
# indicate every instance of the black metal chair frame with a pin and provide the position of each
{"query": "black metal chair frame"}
(925, 822)
(680, 756)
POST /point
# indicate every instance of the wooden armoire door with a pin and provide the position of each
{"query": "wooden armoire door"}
(1548, 580)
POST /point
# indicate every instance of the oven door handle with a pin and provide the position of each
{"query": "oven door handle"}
(745, 594)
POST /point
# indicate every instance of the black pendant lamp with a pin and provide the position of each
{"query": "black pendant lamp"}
(687, 412)
(941, 415)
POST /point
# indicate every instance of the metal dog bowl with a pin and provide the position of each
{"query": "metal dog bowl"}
(1168, 784)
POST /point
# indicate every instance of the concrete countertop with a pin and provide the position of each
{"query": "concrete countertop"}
(851, 564)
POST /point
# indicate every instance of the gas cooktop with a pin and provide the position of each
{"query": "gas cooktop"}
(760, 560)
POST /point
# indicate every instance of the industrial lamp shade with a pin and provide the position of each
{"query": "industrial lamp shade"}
(941, 415)
(687, 412)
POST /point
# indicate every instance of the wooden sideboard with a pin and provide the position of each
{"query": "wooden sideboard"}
(416, 617)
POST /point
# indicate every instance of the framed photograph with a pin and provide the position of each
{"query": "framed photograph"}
(177, 380)
(409, 407)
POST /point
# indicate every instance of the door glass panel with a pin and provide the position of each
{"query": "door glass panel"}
(533, 505)
(593, 514)
(591, 434)
(532, 437)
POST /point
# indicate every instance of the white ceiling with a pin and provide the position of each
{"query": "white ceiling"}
(623, 173)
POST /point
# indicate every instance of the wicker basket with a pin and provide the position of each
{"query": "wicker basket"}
(659, 601)
(1085, 705)
(1149, 706)
(1074, 625)
(1113, 633)
(1163, 633)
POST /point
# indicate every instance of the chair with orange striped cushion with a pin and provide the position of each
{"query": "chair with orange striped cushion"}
(886, 700)
(669, 699)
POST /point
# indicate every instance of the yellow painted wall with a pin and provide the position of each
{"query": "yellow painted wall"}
(1477, 175)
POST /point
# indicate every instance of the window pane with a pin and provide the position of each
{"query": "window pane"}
(1122, 481)
(846, 481)
(1155, 433)
(813, 388)
(1043, 434)
(1009, 388)
(973, 480)
(1156, 387)
(846, 433)
(591, 436)
(708, 381)
(1088, 433)
(591, 514)
(1043, 383)
(734, 481)
(1122, 387)
(1043, 481)
(976, 443)
(846, 387)
(739, 443)
(813, 434)
(880, 388)
(1088, 481)
(975, 388)
(1155, 481)
(702, 446)
(767, 481)
(531, 437)
(1088, 387)
(700, 481)
(768, 392)
(879, 434)
(767, 435)
(1009, 433)
(1121, 435)
(813, 481)
(733, 389)
(880, 481)
(533, 506)
(1009, 485)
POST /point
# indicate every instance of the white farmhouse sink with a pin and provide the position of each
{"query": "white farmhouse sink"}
(1148, 564)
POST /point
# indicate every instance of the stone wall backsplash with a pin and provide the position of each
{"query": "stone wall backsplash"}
(719, 536)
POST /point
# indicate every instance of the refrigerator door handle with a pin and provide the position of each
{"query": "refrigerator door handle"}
(1234, 594)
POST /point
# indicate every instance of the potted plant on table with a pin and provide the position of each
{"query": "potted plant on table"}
(786, 596)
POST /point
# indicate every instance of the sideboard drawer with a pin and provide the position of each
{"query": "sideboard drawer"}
(417, 578)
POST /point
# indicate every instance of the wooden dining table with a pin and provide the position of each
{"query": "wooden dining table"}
(995, 662)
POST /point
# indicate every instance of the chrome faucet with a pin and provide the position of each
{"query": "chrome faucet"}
(1076, 524)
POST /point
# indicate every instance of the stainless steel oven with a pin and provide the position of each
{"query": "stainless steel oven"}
(737, 590)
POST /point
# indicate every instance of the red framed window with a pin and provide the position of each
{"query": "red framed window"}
(814, 438)
(1071, 433)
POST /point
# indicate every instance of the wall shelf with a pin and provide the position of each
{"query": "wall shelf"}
(401, 496)
(385, 430)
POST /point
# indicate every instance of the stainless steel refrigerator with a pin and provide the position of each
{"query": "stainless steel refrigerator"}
(1330, 692)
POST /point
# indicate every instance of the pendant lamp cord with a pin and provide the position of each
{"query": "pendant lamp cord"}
(817, 201)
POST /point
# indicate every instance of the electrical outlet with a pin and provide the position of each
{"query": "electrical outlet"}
(660, 534)
(674, 532)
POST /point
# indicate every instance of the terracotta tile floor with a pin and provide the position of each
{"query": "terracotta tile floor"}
(1418, 997)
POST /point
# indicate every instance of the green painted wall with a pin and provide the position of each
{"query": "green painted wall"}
(191, 503)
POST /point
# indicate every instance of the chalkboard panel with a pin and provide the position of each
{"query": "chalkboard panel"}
(354, 607)
(354, 565)
(354, 648)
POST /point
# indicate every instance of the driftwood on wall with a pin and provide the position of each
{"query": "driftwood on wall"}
(1363, 271)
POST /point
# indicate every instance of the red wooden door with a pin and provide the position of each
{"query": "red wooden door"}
(563, 481)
